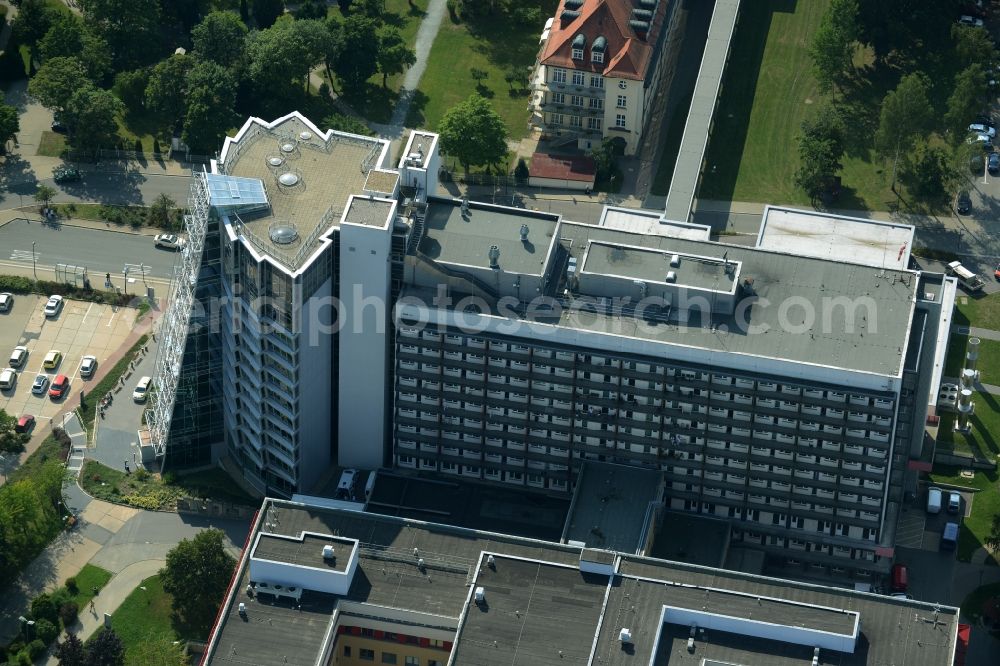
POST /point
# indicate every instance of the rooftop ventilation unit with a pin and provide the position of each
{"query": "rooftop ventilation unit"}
(625, 635)
(305, 135)
(243, 608)
(494, 255)
(275, 161)
(675, 260)
(465, 206)
(480, 595)
(524, 233)
(491, 562)
(328, 552)
(671, 276)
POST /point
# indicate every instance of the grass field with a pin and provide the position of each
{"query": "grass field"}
(493, 47)
(143, 622)
(52, 144)
(89, 578)
(985, 505)
(982, 312)
(769, 90)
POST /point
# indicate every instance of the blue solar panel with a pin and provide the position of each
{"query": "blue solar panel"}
(235, 192)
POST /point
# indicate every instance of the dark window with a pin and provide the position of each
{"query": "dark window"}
(388, 658)
(347, 650)
(366, 655)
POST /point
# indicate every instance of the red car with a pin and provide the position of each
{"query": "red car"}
(25, 423)
(996, 272)
(59, 387)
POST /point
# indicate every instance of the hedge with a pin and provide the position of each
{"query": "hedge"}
(24, 285)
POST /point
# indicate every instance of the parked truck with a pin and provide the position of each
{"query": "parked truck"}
(966, 278)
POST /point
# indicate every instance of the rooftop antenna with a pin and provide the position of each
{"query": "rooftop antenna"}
(524, 233)
(494, 256)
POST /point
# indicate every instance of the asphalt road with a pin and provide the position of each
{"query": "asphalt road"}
(99, 251)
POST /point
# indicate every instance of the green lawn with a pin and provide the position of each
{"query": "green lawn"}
(988, 363)
(89, 578)
(982, 311)
(982, 439)
(495, 46)
(144, 626)
(52, 144)
(985, 505)
(769, 90)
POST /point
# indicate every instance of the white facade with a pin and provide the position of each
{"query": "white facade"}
(364, 339)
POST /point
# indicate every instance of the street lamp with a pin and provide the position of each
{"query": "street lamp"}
(33, 272)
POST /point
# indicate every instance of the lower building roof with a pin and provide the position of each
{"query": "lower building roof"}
(538, 602)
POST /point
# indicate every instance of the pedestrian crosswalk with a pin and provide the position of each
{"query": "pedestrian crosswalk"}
(23, 255)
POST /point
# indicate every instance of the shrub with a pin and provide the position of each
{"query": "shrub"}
(71, 585)
(68, 612)
(141, 474)
(60, 596)
(16, 284)
(23, 657)
(46, 632)
(36, 649)
(42, 608)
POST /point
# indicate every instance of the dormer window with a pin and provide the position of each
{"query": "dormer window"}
(597, 50)
(579, 44)
(577, 54)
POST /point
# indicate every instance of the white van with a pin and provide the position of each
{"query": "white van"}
(934, 500)
(8, 378)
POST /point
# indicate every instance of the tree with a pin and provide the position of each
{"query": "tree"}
(70, 37)
(973, 46)
(34, 18)
(372, 8)
(10, 125)
(159, 212)
(394, 56)
(311, 9)
(96, 110)
(221, 38)
(167, 87)
(286, 52)
(130, 27)
(832, 48)
(992, 541)
(56, 81)
(10, 441)
(342, 123)
(266, 12)
(197, 575)
(345, 5)
(71, 652)
(521, 171)
(821, 146)
(359, 59)
(130, 88)
(44, 194)
(210, 100)
(906, 114)
(106, 649)
(926, 172)
(966, 99)
(473, 133)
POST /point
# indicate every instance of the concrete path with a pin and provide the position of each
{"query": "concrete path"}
(426, 34)
(973, 331)
(121, 585)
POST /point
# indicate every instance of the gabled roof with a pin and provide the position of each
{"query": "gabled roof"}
(628, 54)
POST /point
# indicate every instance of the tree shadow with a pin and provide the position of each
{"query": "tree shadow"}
(17, 177)
(415, 116)
(484, 91)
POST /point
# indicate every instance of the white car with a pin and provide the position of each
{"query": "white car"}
(8, 379)
(6, 301)
(982, 129)
(141, 391)
(972, 21)
(168, 241)
(53, 306)
(18, 356)
(88, 364)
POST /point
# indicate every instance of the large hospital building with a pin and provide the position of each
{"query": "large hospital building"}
(332, 309)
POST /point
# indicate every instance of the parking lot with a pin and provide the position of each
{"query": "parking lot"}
(78, 330)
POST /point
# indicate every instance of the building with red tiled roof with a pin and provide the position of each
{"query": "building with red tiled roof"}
(599, 66)
(573, 172)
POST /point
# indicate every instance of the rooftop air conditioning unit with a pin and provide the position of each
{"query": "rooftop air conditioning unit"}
(675, 260)
(625, 635)
(327, 552)
(671, 276)
(480, 595)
